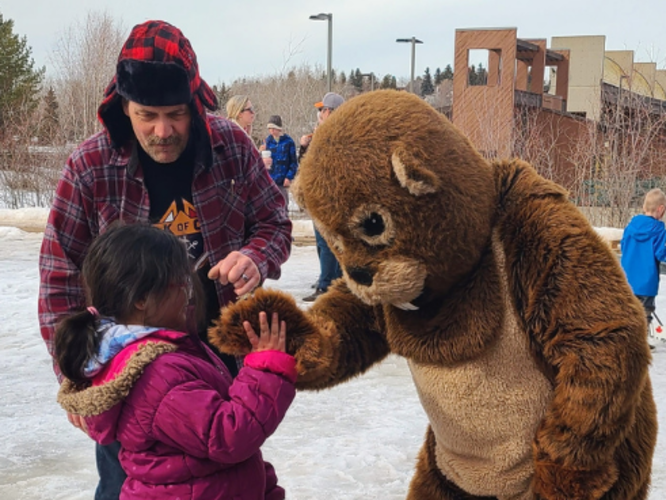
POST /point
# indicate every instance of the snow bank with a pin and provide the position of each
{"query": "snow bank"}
(34, 220)
(610, 233)
(28, 219)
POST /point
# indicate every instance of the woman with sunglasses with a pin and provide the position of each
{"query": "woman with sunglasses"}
(241, 112)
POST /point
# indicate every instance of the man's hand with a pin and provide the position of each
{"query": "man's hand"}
(239, 270)
(286, 183)
(268, 162)
(305, 140)
(78, 422)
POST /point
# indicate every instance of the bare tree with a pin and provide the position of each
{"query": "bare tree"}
(28, 171)
(291, 94)
(84, 61)
(624, 158)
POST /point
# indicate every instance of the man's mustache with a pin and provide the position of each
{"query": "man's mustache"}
(153, 140)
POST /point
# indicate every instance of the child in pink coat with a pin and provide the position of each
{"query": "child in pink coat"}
(185, 428)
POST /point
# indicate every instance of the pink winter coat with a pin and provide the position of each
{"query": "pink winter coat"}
(186, 430)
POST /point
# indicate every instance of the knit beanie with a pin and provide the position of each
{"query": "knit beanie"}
(275, 121)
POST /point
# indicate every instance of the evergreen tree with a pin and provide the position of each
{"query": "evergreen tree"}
(386, 82)
(343, 78)
(223, 93)
(447, 74)
(427, 88)
(438, 76)
(481, 75)
(358, 80)
(477, 75)
(50, 120)
(19, 80)
(394, 83)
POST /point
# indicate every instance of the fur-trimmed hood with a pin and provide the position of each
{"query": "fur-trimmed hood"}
(94, 400)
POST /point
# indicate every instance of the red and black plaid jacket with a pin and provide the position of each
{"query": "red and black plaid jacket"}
(238, 205)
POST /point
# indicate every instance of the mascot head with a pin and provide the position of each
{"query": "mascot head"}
(400, 195)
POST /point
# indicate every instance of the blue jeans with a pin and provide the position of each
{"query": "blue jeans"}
(111, 474)
(329, 268)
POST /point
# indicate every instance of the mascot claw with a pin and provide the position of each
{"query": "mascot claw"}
(406, 306)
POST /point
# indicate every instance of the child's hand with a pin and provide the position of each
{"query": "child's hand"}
(270, 337)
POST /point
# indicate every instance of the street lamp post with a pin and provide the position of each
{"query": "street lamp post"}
(327, 17)
(413, 40)
(372, 80)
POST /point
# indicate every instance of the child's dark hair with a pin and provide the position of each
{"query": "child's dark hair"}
(126, 264)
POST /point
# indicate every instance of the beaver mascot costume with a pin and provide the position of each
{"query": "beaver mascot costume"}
(526, 345)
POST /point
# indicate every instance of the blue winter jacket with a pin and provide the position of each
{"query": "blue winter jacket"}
(643, 247)
(283, 153)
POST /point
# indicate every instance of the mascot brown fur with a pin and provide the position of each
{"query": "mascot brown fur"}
(525, 343)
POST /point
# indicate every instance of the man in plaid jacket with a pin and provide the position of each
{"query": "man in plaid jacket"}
(162, 159)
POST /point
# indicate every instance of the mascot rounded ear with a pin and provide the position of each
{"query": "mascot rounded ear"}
(415, 178)
(296, 192)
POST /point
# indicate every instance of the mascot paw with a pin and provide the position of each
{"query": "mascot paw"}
(554, 482)
(228, 334)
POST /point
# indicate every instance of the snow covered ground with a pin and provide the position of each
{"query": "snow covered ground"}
(356, 441)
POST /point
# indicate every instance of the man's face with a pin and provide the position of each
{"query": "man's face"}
(324, 113)
(162, 131)
(275, 132)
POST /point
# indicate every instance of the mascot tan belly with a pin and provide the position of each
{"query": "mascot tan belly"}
(525, 343)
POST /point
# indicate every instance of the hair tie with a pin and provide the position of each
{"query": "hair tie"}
(92, 310)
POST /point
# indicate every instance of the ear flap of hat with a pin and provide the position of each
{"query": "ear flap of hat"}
(152, 83)
(114, 119)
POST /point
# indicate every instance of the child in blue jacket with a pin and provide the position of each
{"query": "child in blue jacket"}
(643, 247)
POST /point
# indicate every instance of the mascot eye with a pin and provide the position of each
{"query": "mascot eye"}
(373, 225)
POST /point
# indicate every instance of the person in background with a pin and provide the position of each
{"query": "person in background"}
(283, 155)
(643, 247)
(162, 159)
(329, 268)
(240, 111)
(186, 429)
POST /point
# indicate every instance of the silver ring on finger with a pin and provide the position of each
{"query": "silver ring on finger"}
(245, 277)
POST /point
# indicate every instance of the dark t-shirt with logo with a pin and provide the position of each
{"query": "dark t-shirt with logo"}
(169, 187)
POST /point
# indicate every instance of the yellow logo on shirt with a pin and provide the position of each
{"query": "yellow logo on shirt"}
(180, 222)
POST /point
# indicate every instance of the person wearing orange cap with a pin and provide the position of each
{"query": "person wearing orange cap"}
(329, 268)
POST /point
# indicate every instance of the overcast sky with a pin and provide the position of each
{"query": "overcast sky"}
(235, 38)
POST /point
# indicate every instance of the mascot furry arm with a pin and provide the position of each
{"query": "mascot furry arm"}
(468, 270)
(592, 347)
(327, 352)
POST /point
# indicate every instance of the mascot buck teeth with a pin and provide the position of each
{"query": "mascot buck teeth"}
(524, 340)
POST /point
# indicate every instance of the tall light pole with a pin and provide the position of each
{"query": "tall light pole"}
(327, 17)
(413, 40)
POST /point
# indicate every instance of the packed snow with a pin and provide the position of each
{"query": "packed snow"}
(356, 441)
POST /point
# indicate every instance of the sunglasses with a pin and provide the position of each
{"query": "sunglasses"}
(250, 109)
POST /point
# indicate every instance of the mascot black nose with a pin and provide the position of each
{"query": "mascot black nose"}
(360, 275)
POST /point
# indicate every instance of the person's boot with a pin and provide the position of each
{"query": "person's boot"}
(313, 297)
